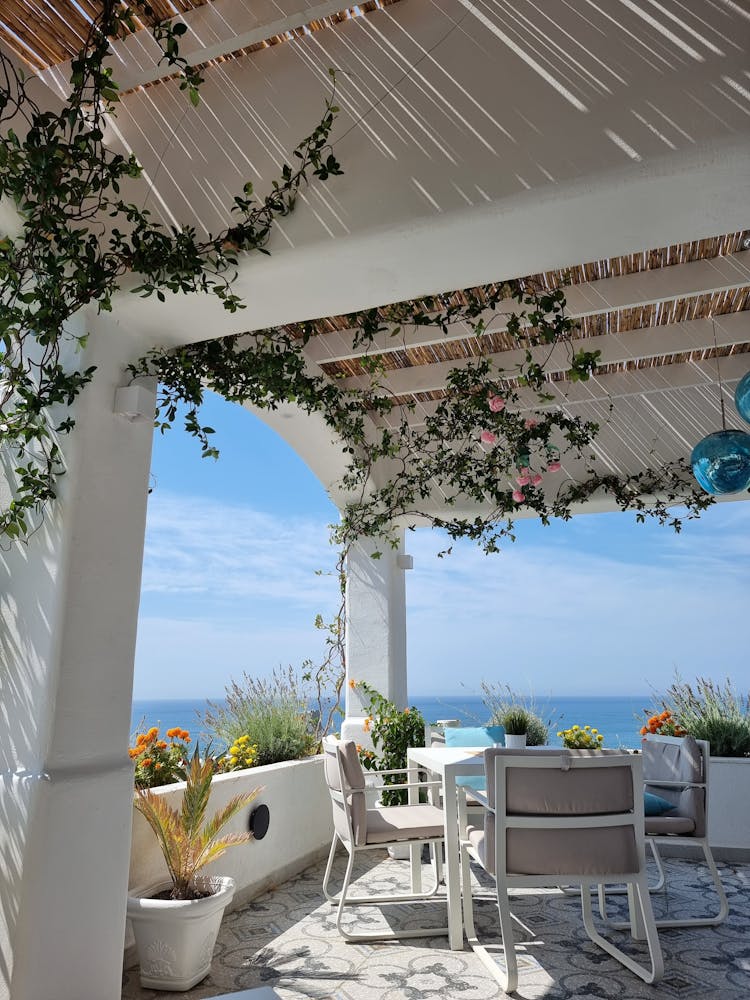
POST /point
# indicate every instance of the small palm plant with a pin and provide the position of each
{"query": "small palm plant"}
(188, 841)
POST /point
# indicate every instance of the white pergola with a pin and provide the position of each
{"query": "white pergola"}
(481, 142)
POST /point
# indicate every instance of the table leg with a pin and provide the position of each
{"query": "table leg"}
(415, 851)
(452, 863)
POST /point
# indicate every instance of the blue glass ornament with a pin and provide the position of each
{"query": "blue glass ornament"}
(742, 398)
(721, 462)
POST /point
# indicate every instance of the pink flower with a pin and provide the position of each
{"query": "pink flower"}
(519, 496)
(536, 480)
(530, 423)
(487, 437)
(554, 466)
(522, 480)
(497, 403)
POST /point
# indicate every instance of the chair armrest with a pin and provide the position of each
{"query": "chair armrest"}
(483, 801)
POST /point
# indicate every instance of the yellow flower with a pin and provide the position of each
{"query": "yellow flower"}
(575, 728)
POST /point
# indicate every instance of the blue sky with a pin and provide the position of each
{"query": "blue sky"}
(599, 605)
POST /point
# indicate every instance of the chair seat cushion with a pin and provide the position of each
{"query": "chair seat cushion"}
(598, 851)
(404, 823)
(660, 825)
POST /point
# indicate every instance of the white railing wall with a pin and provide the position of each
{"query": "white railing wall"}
(299, 833)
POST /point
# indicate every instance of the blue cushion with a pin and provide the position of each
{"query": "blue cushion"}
(655, 805)
(474, 736)
(476, 781)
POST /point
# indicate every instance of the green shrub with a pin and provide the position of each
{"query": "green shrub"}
(272, 713)
(713, 711)
(514, 712)
(392, 730)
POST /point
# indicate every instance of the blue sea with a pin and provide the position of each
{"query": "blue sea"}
(618, 718)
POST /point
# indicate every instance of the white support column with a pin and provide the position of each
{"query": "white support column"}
(375, 628)
(68, 612)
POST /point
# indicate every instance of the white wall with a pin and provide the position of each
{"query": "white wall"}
(68, 612)
(300, 829)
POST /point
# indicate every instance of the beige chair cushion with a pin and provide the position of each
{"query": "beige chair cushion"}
(354, 784)
(569, 793)
(672, 761)
(594, 852)
(659, 826)
(404, 823)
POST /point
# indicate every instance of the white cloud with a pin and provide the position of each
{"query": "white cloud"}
(601, 608)
(568, 620)
(223, 552)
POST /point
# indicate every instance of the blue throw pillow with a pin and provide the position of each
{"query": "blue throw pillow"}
(474, 736)
(477, 782)
(655, 805)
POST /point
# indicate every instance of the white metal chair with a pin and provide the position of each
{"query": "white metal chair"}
(677, 769)
(361, 829)
(575, 815)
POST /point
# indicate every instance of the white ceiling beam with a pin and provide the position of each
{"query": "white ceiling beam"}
(627, 291)
(214, 30)
(657, 379)
(620, 348)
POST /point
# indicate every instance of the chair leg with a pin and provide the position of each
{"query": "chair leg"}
(652, 975)
(712, 921)
(344, 900)
(329, 867)
(402, 897)
(507, 978)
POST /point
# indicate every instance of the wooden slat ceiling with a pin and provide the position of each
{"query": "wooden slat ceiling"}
(45, 33)
(643, 317)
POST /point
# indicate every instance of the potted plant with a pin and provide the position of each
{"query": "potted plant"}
(515, 722)
(517, 714)
(177, 922)
(581, 738)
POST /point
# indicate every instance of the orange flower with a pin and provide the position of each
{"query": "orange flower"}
(161, 745)
(158, 766)
(359, 748)
(406, 711)
(184, 735)
(147, 762)
(153, 732)
(171, 733)
(643, 730)
(352, 683)
(366, 724)
(134, 752)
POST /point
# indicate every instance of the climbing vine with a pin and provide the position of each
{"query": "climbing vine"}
(64, 183)
(486, 446)
(481, 444)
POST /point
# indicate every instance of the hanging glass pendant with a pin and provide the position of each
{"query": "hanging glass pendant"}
(742, 398)
(721, 462)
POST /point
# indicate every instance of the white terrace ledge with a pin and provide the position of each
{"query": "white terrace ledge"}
(299, 833)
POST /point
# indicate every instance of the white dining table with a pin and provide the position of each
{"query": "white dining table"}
(446, 763)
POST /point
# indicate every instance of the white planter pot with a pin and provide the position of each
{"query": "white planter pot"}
(175, 938)
(515, 741)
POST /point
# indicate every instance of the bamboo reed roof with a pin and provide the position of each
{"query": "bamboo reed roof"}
(45, 33)
(609, 323)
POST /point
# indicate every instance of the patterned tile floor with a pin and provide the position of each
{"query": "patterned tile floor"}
(287, 939)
